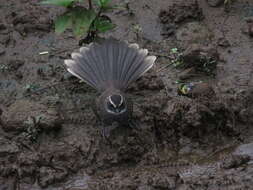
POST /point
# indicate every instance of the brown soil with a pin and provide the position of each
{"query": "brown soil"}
(201, 138)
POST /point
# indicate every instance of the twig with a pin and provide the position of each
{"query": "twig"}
(161, 55)
(90, 5)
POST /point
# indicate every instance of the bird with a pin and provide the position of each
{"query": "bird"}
(110, 66)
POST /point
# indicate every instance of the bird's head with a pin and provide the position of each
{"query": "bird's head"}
(116, 104)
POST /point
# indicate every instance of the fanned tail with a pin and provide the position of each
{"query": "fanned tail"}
(110, 64)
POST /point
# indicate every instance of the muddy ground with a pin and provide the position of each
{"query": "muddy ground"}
(196, 138)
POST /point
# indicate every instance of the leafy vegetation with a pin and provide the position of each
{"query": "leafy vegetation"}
(205, 64)
(136, 28)
(64, 3)
(189, 71)
(176, 56)
(31, 87)
(4, 68)
(32, 128)
(85, 22)
(227, 4)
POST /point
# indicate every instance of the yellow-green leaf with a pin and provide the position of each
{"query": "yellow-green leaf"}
(103, 3)
(82, 19)
(62, 22)
(103, 25)
(64, 3)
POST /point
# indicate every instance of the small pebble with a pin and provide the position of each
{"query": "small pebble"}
(2, 50)
(2, 26)
(215, 3)
(250, 29)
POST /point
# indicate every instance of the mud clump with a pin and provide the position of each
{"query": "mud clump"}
(2, 26)
(178, 14)
(195, 53)
(149, 82)
(235, 161)
(24, 115)
(8, 152)
(2, 50)
(30, 22)
(242, 104)
(7, 147)
(198, 90)
(48, 175)
(15, 64)
(195, 118)
(248, 28)
(203, 60)
(193, 33)
(5, 39)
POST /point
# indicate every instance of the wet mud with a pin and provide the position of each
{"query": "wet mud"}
(193, 110)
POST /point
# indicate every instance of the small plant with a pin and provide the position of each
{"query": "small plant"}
(32, 128)
(4, 68)
(31, 87)
(87, 23)
(226, 2)
(137, 30)
(207, 65)
(201, 64)
(176, 57)
(204, 64)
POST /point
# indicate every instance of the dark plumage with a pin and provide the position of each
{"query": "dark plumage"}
(110, 66)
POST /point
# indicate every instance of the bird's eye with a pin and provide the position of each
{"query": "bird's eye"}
(110, 106)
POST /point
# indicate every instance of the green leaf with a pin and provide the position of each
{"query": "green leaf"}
(103, 25)
(81, 20)
(62, 22)
(226, 2)
(174, 50)
(108, 8)
(103, 3)
(98, 3)
(64, 3)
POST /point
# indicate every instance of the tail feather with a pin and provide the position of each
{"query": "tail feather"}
(110, 63)
(142, 69)
(74, 71)
(128, 62)
(83, 64)
(136, 64)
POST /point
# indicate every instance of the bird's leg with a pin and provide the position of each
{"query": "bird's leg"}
(105, 132)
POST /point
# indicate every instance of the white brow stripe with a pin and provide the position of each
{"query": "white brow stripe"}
(121, 100)
(110, 100)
